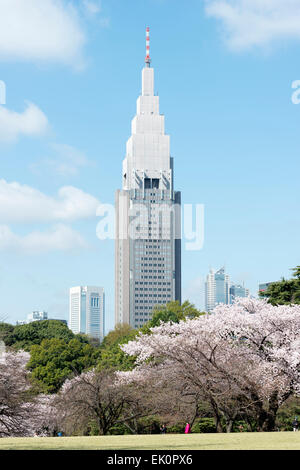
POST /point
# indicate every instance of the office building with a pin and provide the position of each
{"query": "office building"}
(87, 311)
(37, 316)
(148, 215)
(217, 289)
(237, 290)
(34, 316)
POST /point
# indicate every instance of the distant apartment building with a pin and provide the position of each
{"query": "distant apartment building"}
(217, 289)
(87, 310)
(37, 316)
(33, 316)
(237, 290)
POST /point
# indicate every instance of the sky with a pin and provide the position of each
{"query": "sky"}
(70, 74)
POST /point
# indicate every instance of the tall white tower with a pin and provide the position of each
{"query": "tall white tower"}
(87, 311)
(148, 215)
(217, 289)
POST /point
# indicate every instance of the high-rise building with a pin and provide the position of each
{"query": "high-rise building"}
(148, 218)
(217, 288)
(237, 290)
(87, 311)
(37, 316)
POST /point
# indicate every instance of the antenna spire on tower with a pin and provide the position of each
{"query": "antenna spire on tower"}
(147, 59)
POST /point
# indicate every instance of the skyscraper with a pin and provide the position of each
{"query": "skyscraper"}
(216, 289)
(236, 290)
(148, 244)
(87, 310)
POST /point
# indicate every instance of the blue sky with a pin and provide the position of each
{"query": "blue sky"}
(224, 71)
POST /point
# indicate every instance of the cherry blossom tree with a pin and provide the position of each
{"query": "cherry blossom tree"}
(243, 359)
(96, 396)
(91, 396)
(22, 412)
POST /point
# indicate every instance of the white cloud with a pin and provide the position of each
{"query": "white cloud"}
(31, 122)
(256, 23)
(58, 238)
(92, 7)
(23, 204)
(67, 161)
(41, 30)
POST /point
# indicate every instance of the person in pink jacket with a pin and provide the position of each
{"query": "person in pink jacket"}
(187, 428)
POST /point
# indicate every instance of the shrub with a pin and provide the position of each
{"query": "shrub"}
(177, 428)
(204, 425)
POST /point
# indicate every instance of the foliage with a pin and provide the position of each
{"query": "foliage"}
(54, 360)
(118, 335)
(243, 360)
(172, 312)
(149, 425)
(177, 428)
(284, 291)
(112, 356)
(22, 412)
(119, 429)
(204, 425)
(24, 336)
(286, 414)
(6, 333)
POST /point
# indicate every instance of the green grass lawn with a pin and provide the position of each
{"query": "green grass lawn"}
(234, 441)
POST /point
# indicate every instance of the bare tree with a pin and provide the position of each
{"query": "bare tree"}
(91, 396)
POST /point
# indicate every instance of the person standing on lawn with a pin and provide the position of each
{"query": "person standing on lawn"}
(187, 428)
(295, 424)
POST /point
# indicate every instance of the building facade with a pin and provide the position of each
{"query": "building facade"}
(217, 289)
(34, 316)
(87, 311)
(37, 316)
(148, 216)
(237, 290)
(264, 286)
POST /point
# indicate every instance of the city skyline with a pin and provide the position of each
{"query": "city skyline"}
(66, 117)
(219, 289)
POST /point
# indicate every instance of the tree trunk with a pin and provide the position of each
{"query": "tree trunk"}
(266, 421)
(217, 416)
(229, 425)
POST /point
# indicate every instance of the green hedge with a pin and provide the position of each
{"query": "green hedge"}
(204, 425)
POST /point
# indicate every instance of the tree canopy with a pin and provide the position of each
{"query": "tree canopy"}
(24, 336)
(172, 312)
(54, 360)
(243, 360)
(112, 357)
(286, 291)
